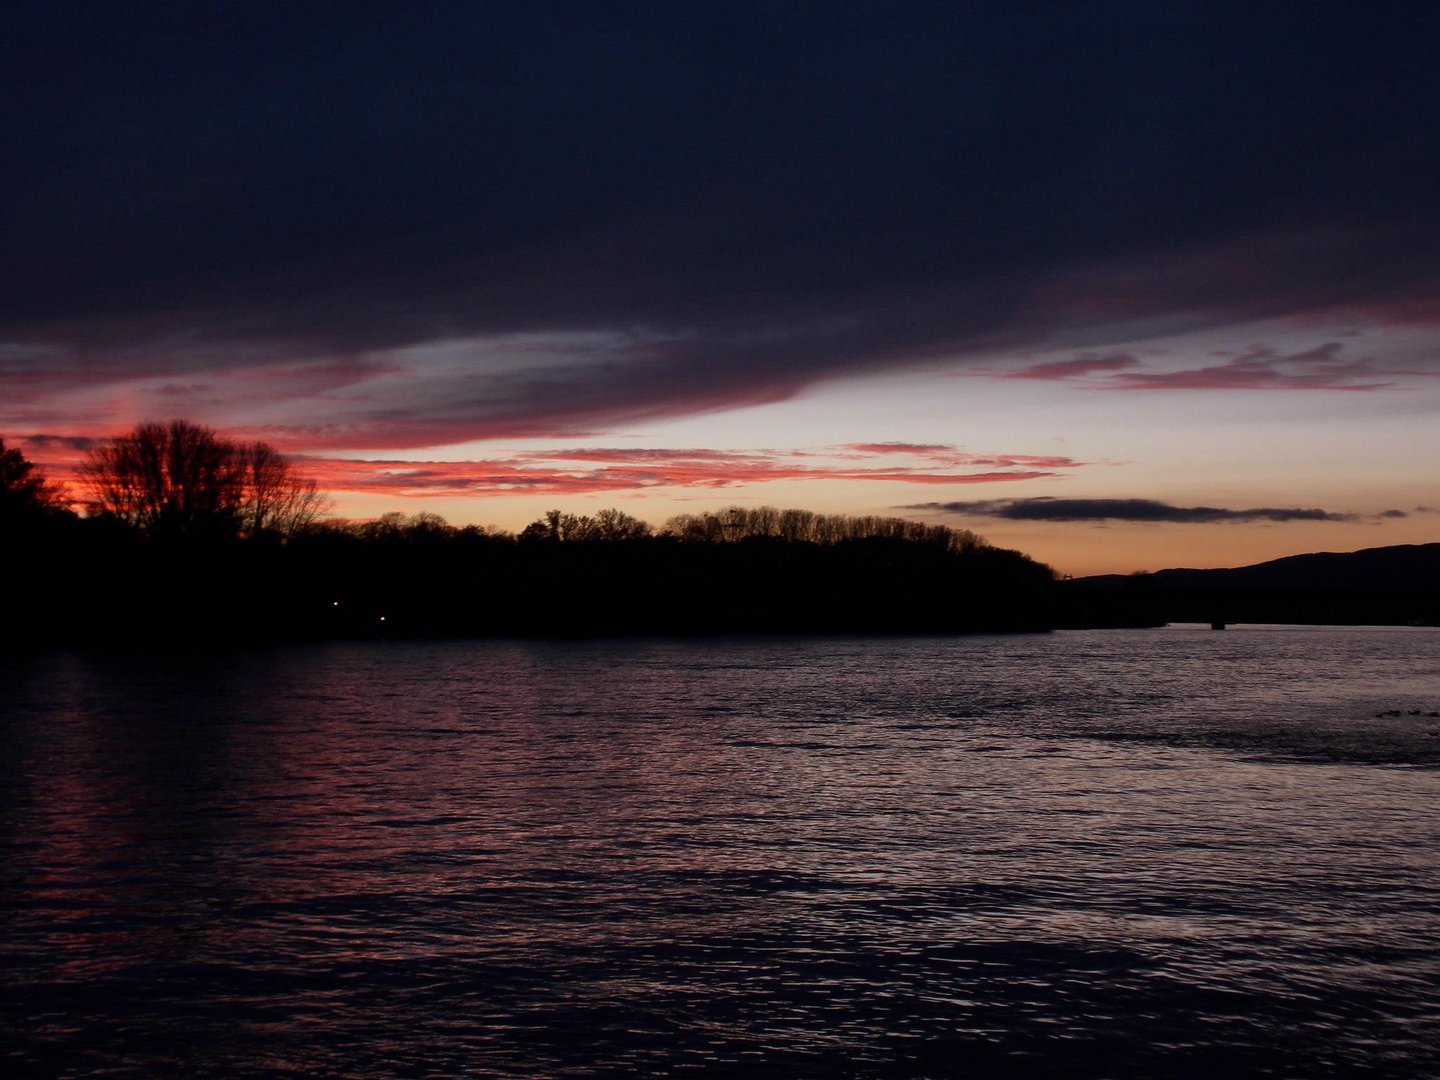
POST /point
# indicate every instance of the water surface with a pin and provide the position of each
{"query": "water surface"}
(1097, 853)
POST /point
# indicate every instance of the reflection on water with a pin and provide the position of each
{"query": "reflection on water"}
(1087, 854)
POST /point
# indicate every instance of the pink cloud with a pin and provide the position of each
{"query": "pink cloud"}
(953, 456)
(631, 469)
(897, 448)
(583, 470)
(640, 454)
(1076, 368)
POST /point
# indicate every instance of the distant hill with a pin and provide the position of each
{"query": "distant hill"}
(1398, 567)
(1384, 585)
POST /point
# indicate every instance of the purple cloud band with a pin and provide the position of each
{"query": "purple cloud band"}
(1135, 510)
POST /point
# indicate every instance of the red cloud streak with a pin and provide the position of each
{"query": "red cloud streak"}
(585, 470)
(640, 469)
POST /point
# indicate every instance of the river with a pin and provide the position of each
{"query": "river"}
(1102, 853)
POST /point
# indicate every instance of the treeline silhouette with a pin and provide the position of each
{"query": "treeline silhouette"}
(175, 544)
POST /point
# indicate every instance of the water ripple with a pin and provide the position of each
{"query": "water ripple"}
(1100, 854)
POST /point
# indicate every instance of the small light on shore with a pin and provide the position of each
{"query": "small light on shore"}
(382, 618)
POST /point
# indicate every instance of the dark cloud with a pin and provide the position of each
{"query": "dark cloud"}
(1080, 366)
(1051, 509)
(1319, 368)
(78, 443)
(1259, 368)
(779, 194)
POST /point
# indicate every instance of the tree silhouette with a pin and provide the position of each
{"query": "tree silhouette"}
(168, 479)
(276, 500)
(609, 524)
(182, 479)
(738, 523)
(25, 494)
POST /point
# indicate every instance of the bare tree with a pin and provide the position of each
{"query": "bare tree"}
(276, 499)
(397, 525)
(608, 524)
(613, 524)
(179, 478)
(805, 527)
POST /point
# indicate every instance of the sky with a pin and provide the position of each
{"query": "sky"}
(1125, 286)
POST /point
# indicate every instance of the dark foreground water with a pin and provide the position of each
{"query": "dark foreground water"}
(1138, 853)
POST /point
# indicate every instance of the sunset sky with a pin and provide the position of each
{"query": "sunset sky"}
(1125, 286)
